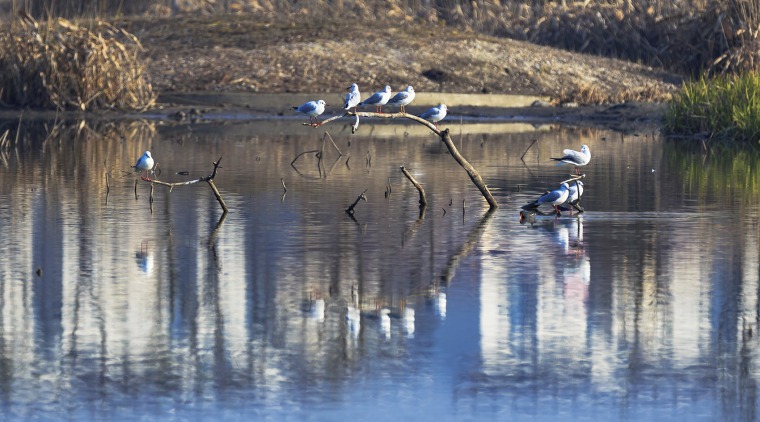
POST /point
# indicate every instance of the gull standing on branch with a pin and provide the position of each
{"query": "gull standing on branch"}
(144, 163)
(576, 158)
(312, 109)
(353, 98)
(403, 98)
(574, 196)
(435, 114)
(378, 99)
(554, 198)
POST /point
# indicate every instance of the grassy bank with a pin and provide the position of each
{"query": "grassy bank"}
(723, 108)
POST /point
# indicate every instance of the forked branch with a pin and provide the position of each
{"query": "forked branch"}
(208, 179)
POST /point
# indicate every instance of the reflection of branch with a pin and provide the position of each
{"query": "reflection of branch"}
(526, 151)
(443, 134)
(215, 232)
(472, 240)
(299, 155)
(208, 179)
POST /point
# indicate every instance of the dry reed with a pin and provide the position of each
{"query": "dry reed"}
(66, 66)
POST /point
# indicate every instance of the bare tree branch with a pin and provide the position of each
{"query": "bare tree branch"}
(208, 179)
(445, 138)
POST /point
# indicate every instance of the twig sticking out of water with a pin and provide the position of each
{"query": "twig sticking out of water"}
(350, 209)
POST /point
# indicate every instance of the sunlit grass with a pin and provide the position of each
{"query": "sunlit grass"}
(724, 108)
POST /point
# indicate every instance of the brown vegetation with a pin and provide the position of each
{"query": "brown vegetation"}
(65, 66)
(683, 35)
(442, 45)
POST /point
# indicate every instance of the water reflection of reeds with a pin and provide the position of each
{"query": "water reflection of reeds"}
(727, 174)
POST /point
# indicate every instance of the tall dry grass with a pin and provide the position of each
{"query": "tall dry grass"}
(690, 36)
(62, 65)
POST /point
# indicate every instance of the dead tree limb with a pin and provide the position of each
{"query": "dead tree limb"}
(350, 209)
(423, 200)
(208, 179)
(445, 138)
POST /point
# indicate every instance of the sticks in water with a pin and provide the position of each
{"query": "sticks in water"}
(445, 138)
(208, 179)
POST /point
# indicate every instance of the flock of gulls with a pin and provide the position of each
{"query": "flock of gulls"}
(565, 194)
(315, 108)
(568, 193)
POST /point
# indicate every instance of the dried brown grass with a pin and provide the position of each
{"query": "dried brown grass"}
(62, 65)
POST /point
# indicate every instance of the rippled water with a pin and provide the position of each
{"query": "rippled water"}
(644, 307)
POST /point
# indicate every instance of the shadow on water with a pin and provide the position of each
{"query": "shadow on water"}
(644, 306)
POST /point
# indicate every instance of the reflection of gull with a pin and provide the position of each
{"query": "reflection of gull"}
(315, 310)
(576, 158)
(440, 305)
(563, 238)
(144, 258)
(408, 318)
(385, 322)
(353, 319)
(576, 278)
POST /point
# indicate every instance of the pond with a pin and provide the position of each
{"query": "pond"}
(643, 307)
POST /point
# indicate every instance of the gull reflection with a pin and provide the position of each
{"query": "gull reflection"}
(383, 318)
(353, 319)
(314, 310)
(144, 258)
(408, 318)
(440, 305)
(385, 322)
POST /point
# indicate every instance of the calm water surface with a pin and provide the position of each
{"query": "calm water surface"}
(643, 308)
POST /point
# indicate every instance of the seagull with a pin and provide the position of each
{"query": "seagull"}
(378, 99)
(435, 114)
(574, 196)
(144, 163)
(403, 98)
(576, 191)
(554, 198)
(353, 98)
(312, 109)
(576, 158)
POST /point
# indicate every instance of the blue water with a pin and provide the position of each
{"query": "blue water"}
(645, 307)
